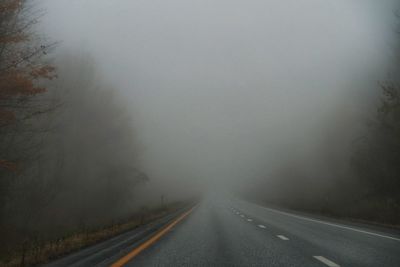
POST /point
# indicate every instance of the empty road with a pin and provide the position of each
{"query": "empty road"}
(223, 232)
(238, 233)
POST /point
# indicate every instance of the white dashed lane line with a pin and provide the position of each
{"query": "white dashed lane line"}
(326, 261)
(283, 237)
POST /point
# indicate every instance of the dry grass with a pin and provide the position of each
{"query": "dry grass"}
(34, 252)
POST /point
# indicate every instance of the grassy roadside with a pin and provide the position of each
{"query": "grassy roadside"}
(38, 252)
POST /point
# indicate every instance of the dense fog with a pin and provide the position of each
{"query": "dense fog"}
(227, 91)
(112, 108)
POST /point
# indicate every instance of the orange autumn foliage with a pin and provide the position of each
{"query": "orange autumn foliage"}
(10, 5)
(21, 69)
(8, 165)
(14, 83)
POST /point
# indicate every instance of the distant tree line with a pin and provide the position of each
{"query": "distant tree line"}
(67, 148)
(361, 183)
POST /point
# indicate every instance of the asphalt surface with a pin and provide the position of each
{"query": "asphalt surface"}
(238, 233)
(231, 232)
(107, 252)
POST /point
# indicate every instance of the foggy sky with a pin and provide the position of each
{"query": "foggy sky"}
(221, 90)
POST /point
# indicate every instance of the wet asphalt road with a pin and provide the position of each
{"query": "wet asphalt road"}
(230, 232)
(237, 233)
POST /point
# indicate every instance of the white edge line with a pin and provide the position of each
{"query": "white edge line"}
(326, 261)
(333, 224)
(283, 237)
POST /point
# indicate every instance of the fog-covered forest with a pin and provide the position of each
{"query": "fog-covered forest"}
(113, 111)
(350, 166)
(68, 147)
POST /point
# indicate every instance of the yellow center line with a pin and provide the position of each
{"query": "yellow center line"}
(148, 243)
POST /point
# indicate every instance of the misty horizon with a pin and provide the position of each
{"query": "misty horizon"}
(217, 89)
